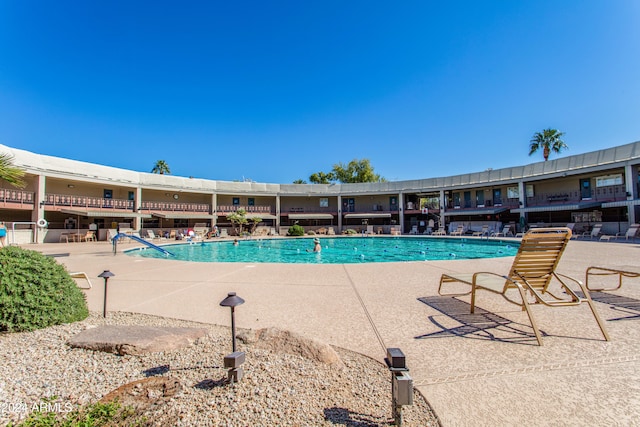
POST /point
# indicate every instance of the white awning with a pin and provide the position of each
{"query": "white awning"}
(621, 203)
(367, 215)
(260, 215)
(311, 216)
(105, 214)
(555, 208)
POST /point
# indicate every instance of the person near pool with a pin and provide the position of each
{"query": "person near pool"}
(3, 233)
(235, 242)
(316, 246)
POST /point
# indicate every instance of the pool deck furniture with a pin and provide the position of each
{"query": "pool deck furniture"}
(532, 274)
(606, 271)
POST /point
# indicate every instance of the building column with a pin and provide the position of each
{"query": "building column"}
(214, 209)
(339, 214)
(137, 204)
(277, 213)
(401, 211)
(38, 212)
(522, 199)
(630, 184)
(443, 208)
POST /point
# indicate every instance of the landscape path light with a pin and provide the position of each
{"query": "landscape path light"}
(232, 300)
(105, 275)
(234, 360)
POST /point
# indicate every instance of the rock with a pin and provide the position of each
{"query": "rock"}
(146, 393)
(277, 340)
(135, 340)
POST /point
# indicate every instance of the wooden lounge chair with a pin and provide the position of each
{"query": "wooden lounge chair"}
(531, 274)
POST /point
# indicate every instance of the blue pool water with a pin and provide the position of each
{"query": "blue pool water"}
(335, 250)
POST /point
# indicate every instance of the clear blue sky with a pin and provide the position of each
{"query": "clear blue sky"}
(276, 90)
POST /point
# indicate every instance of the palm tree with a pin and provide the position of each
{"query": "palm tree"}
(10, 173)
(549, 140)
(161, 167)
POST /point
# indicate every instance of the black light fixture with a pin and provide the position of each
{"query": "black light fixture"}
(232, 300)
(105, 275)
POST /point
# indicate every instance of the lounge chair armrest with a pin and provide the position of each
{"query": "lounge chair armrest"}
(573, 279)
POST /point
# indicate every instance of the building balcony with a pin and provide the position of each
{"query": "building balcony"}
(16, 199)
(62, 201)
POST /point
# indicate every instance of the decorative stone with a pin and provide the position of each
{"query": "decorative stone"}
(145, 393)
(277, 340)
(135, 340)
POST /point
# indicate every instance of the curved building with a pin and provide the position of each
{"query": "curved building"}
(598, 187)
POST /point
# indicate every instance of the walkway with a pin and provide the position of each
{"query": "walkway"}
(483, 370)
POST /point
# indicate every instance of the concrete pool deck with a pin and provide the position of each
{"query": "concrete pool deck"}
(484, 369)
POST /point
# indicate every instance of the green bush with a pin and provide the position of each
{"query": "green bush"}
(296, 230)
(36, 292)
(350, 231)
(93, 415)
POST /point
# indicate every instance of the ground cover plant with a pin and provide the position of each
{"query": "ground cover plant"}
(36, 292)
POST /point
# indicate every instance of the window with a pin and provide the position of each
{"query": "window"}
(131, 195)
(236, 201)
(529, 190)
(108, 194)
(479, 198)
(324, 202)
(513, 192)
(251, 201)
(607, 180)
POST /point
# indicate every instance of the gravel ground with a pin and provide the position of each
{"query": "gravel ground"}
(277, 389)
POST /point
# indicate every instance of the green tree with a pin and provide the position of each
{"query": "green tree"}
(356, 171)
(549, 140)
(322, 178)
(9, 172)
(254, 221)
(161, 167)
(238, 219)
(299, 181)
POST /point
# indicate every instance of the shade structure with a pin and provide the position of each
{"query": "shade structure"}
(621, 203)
(105, 213)
(556, 208)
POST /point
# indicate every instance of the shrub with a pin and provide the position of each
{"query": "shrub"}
(350, 231)
(93, 415)
(36, 292)
(296, 230)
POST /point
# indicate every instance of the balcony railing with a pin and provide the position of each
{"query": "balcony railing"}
(175, 207)
(16, 196)
(223, 209)
(68, 201)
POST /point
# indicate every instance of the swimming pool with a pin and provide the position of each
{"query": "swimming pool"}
(335, 250)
